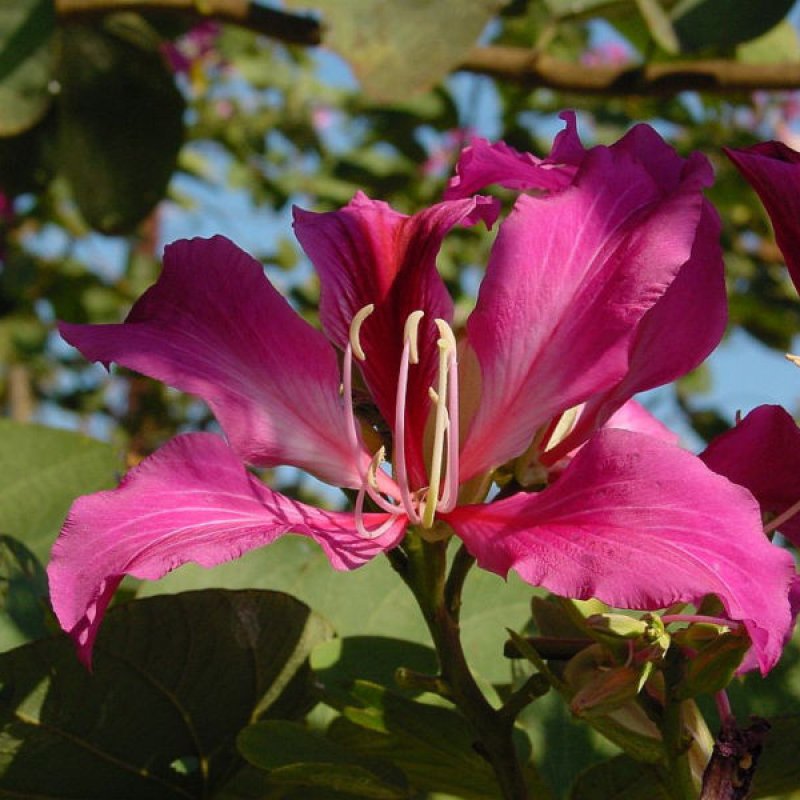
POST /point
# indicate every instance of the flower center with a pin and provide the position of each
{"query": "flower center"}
(393, 494)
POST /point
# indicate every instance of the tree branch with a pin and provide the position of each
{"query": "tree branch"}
(525, 67)
(291, 28)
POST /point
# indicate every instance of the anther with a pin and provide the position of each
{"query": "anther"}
(355, 330)
(793, 358)
(411, 335)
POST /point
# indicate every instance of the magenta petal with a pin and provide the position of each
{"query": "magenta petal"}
(773, 170)
(640, 524)
(368, 253)
(633, 416)
(214, 326)
(192, 500)
(762, 453)
(483, 164)
(570, 278)
(674, 336)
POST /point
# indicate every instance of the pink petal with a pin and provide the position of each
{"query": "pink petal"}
(214, 326)
(640, 524)
(674, 336)
(633, 416)
(369, 253)
(483, 164)
(192, 500)
(570, 278)
(773, 170)
(762, 453)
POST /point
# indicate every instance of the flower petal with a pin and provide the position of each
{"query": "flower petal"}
(570, 278)
(368, 253)
(633, 416)
(640, 524)
(762, 453)
(192, 500)
(483, 164)
(214, 326)
(674, 336)
(773, 170)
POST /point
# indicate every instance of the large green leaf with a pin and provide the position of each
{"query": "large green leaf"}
(42, 471)
(120, 124)
(371, 600)
(620, 778)
(295, 756)
(398, 47)
(175, 679)
(722, 23)
(26, 28)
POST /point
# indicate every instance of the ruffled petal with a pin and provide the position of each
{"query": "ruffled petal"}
(483, 164)
(640, 524)
(674, 336)
(570, 278)
(192, 500)
(214, 326)
(773, 170)
(762, 453)
(368, 253)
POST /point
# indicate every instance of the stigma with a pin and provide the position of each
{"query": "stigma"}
(391, 491)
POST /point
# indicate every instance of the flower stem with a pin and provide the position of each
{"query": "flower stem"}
(439, 602)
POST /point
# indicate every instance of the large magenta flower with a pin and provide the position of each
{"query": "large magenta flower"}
(605, 281)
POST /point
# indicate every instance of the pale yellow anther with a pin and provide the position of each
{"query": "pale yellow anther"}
(794, 359)
(448, 338)
(411, 335)
(355, 330)
(374, 466)
(433, 394)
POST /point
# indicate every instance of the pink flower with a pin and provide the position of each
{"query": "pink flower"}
(588, 292)
(773, 170)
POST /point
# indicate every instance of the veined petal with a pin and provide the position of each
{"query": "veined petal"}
(193, 500)
(674, 336)
(367, 253)
(633, 416)
(570, 278)
(214, 326)
(762, 453)
(640, 524)
(773, 170)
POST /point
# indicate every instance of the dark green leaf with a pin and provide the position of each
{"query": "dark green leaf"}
(174, 681)
(121, 126)
(397, 47)
(722, 23)
(296, 756)
(621, 778)
(24, 607)
(776, 46)
(41, 472)
(26, 27)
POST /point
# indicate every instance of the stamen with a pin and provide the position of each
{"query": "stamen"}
(409, 356)
(355, 330)
(781, 518)
(445, 345)
(362, 529)
(450, 493)
(371, 484)
(794, 359)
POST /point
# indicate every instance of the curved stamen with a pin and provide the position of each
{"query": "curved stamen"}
(371, 484)
(439, 432)
(410, 356)
(362, 529)
(353, 348)
(355, 330)
(450, 493)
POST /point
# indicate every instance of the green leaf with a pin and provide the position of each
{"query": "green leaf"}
(620, 778)
(775, 47)
(120, 125)
(42, 471)
(371, 600)
(722, 23)
(398, 47)
(295, 756)
(778, 770)
(24, 607)
(174, 681)
(430, 744)
(26, 28)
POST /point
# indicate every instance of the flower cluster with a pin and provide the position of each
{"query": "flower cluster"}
(604, 279)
